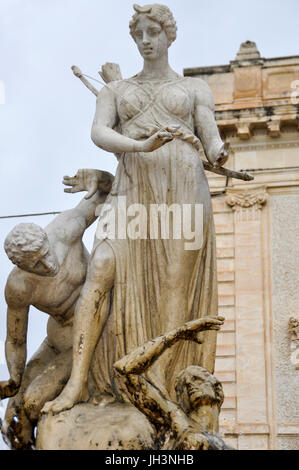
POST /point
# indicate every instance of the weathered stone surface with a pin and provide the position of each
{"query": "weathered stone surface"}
(135, 289)
(117, 426)
(285, 249)
(257, 110)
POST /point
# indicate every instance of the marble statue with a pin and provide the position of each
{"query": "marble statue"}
(157, 284)
(133, 288)
(50, 271)
(188, 423)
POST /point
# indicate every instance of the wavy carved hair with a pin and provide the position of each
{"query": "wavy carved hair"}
(159, 13)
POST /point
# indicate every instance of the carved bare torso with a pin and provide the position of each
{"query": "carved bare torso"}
(57, 296)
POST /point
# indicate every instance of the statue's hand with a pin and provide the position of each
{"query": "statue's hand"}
(8, 388)
(88, 180)
(190, 330)
(158, 139)
(222, 156)
(110, 72)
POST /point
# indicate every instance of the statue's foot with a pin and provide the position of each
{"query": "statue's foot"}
(69, 396)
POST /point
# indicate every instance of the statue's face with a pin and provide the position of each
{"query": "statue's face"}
(198, 389)
(193, 384)
(150, 37)
(43, 262)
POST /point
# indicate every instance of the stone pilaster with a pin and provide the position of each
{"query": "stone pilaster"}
(251, 388)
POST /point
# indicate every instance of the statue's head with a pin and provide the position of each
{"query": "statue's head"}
(153, 28)
(195, 387)
(27, 246)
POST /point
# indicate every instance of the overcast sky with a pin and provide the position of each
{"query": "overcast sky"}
(47, 115)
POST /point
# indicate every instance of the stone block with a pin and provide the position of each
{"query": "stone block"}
(225, 253)
(226, 300)
(226, 276)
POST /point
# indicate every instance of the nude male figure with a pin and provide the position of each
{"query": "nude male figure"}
(190, 423)
(51, 268)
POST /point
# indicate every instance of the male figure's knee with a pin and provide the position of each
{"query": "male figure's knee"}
(102, 265)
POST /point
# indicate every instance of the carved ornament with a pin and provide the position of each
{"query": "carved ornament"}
(247, 199)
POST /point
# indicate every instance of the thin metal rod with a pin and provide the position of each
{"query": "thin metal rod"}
(28, 215)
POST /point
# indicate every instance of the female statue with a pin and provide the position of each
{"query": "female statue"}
(137, 289)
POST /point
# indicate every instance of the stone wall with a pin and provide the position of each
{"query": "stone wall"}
(285, 302)
(257, 230)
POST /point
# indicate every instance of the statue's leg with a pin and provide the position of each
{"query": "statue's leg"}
(47, 385)
(173, 305)
(90, 316)
(174, 289)
(17, 428)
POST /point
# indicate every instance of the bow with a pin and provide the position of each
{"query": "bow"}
(111, 72)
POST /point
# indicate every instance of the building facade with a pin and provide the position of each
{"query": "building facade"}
(257, 229)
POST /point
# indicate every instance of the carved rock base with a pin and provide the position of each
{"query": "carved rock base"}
(117, 426)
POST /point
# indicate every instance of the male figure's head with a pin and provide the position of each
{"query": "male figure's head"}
(200, 395)
(27, 246)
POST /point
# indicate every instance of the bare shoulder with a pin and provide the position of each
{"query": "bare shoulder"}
(19, 289)
(201, 91)
(106, 105)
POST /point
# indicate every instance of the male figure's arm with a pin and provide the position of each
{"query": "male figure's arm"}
(143, 357)
(16, 336)
(98, 184)
(147, 398)
(71, 224)
(144, 395)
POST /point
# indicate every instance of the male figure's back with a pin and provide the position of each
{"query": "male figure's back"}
(50, 272)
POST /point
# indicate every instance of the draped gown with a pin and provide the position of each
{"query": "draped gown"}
(173, 174)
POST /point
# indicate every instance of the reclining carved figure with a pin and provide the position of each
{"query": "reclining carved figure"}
(192, 422)
(152, 420)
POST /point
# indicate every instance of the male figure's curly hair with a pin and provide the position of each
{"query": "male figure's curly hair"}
(23, 241)
(159, 13)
